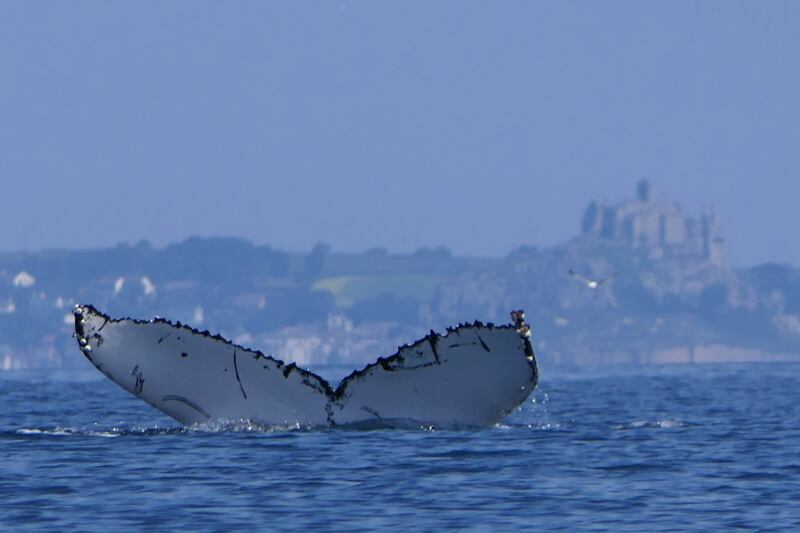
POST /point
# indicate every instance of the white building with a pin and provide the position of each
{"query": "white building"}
(24, 280)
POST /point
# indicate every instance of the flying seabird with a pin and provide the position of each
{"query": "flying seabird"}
(592, 284)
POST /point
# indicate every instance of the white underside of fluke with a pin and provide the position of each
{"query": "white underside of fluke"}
(472, 376)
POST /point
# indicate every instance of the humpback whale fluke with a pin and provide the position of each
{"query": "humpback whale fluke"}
(471, 376)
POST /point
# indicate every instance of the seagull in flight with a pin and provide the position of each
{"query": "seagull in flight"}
(592, 284)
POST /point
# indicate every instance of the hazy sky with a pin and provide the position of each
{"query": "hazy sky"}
(480, 126)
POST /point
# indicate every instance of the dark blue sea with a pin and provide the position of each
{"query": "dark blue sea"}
(649, 449)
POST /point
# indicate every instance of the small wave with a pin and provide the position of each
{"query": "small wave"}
(636, 467)
(228, 426)
(61, 432)
(114, 432)
(658, 424)
(244, 426)
(545, 426)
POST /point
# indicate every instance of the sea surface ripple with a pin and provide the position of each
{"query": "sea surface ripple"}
(693, 447)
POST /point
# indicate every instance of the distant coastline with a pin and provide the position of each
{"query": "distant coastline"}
(667, 295)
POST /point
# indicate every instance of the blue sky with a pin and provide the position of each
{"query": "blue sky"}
(480, 126)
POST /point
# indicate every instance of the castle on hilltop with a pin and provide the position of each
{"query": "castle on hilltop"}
(658, 226)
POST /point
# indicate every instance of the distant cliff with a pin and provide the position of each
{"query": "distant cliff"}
(673, 300)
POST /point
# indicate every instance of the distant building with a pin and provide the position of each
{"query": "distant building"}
(7, 306)
(657, 226)
(148, 287)
(24, 280)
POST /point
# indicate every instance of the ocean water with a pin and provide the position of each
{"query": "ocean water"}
(668, 448)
